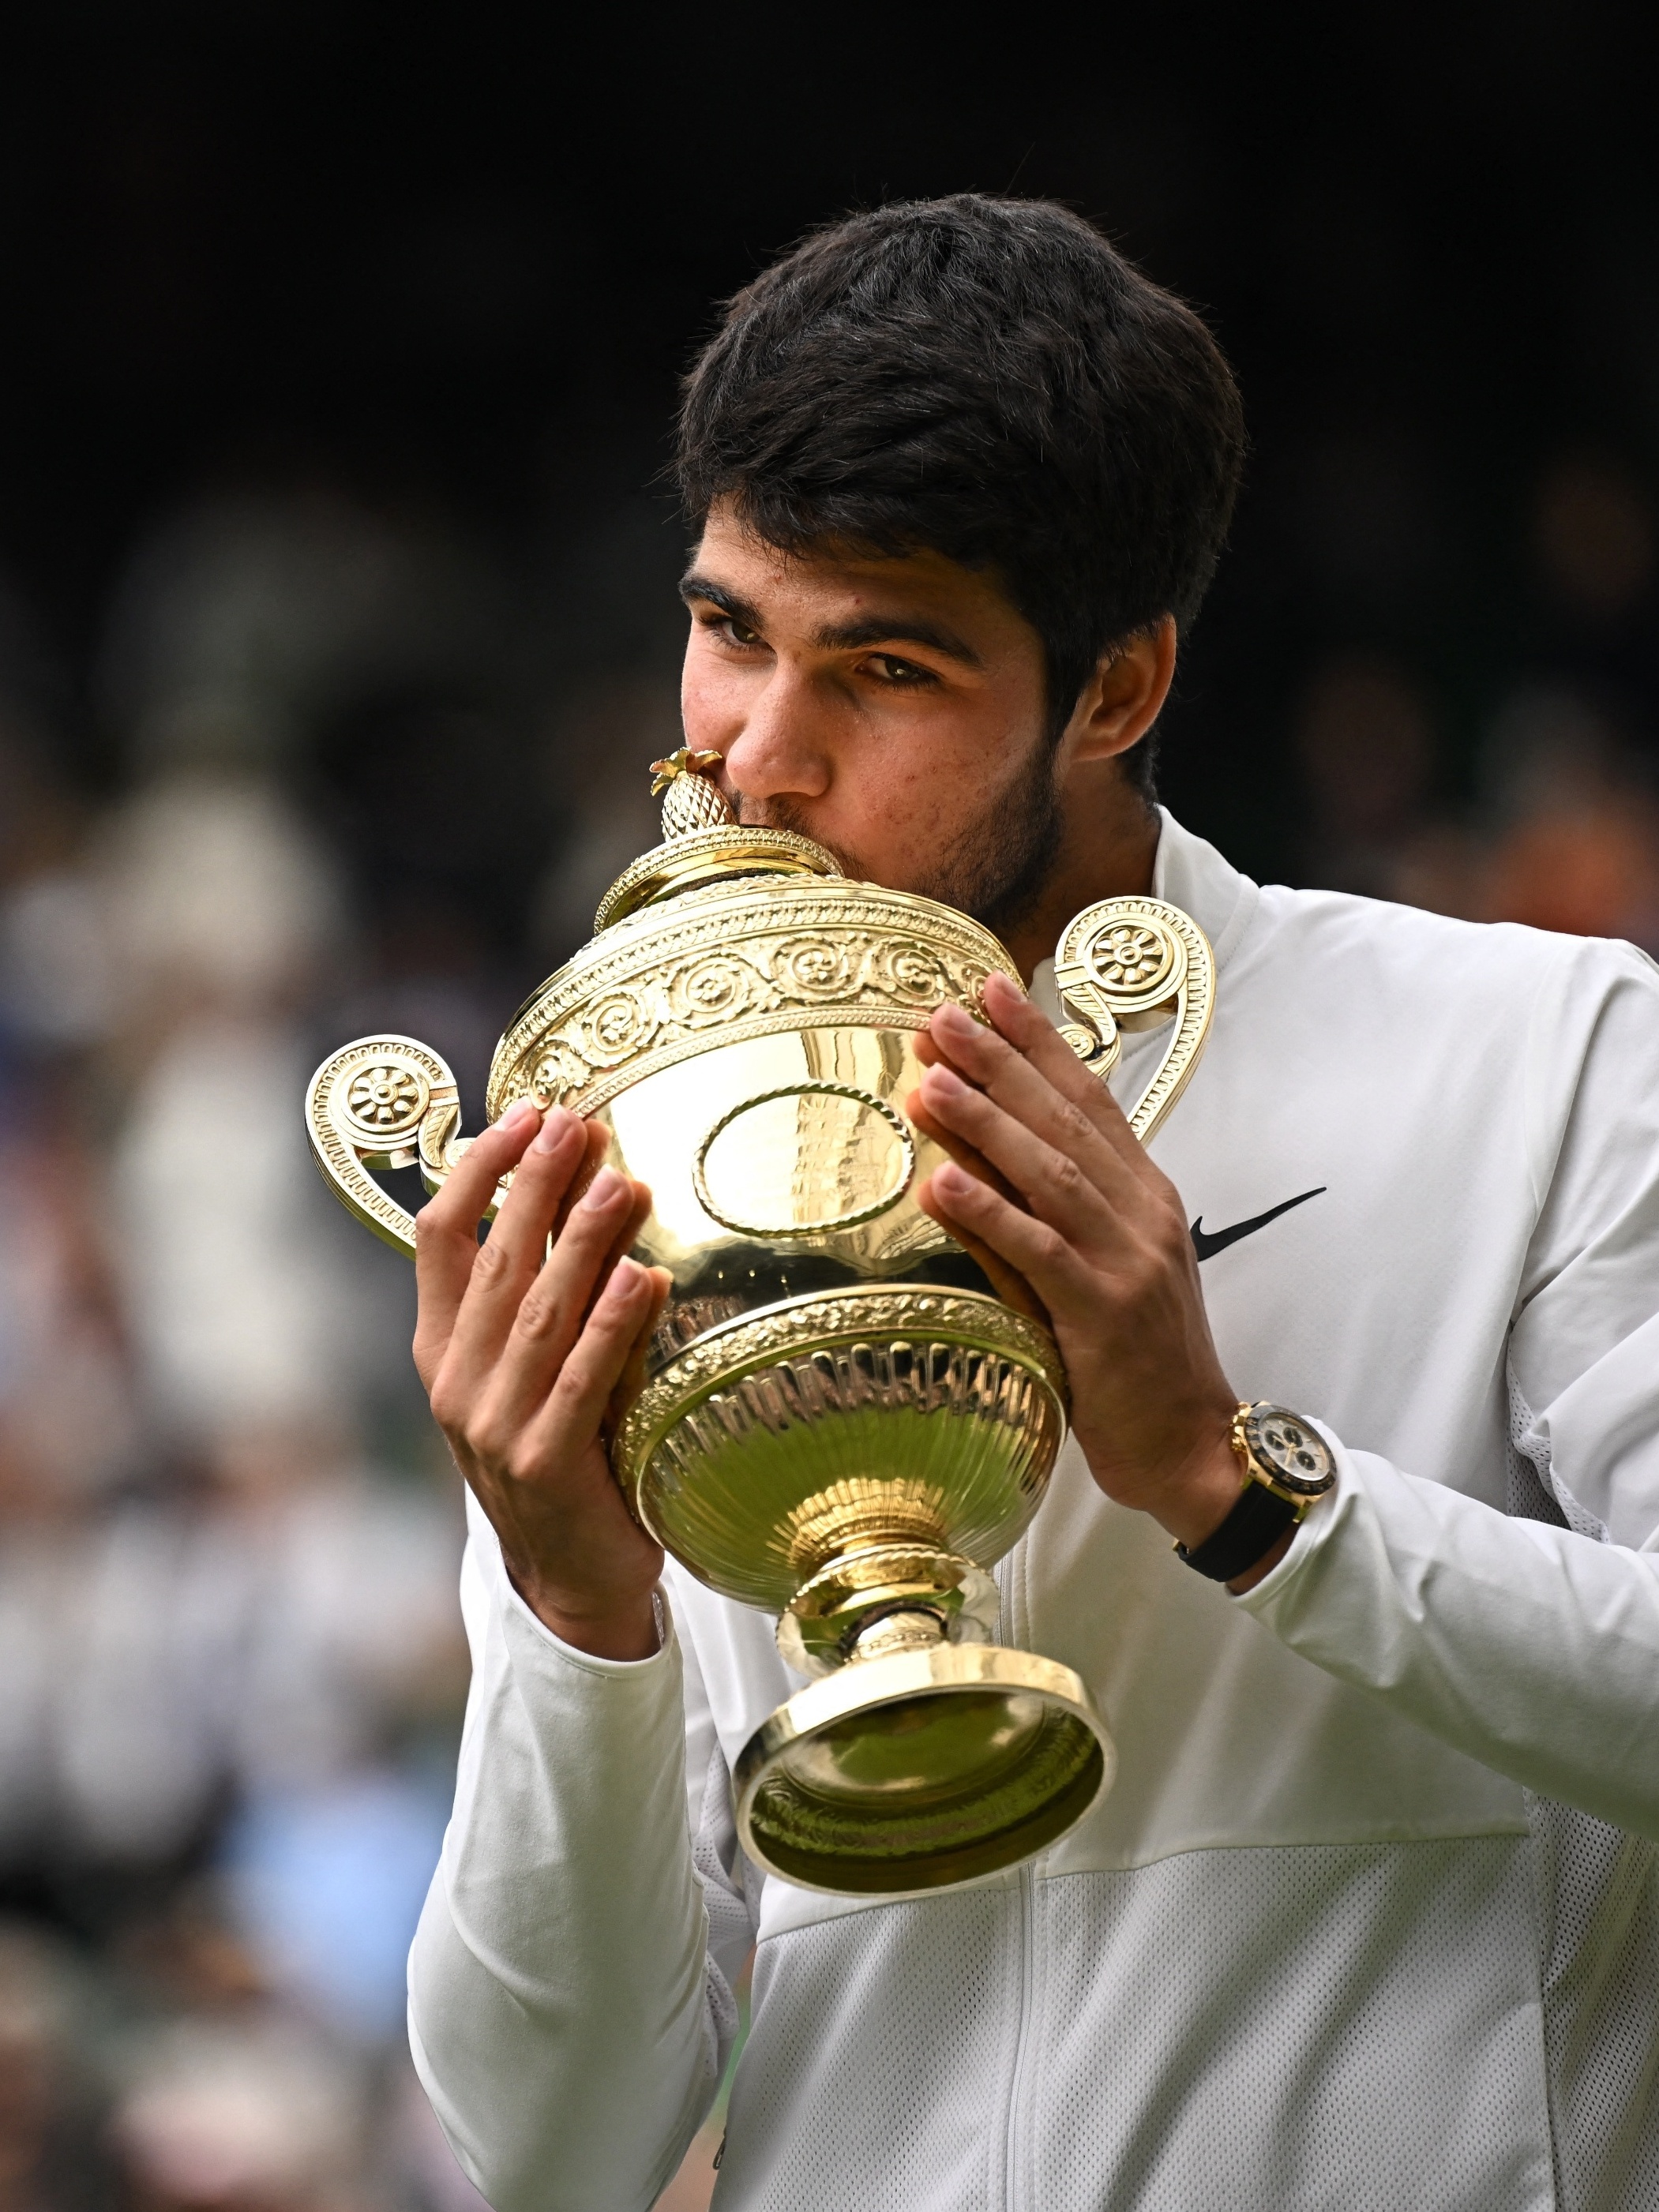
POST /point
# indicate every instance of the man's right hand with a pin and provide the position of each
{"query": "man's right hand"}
(527, 1353)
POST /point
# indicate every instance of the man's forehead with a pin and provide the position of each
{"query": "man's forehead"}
(835, 583)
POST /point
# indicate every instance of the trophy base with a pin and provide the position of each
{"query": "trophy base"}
(919, 1769)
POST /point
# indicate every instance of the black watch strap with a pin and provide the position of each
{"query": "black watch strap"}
(1254, 1526)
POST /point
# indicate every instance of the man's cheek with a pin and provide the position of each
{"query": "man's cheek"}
(711, 704)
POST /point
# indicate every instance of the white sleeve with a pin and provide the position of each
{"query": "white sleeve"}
(567, 2017)
(1534, 1648)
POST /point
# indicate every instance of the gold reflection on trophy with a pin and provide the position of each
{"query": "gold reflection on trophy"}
(841, 1424)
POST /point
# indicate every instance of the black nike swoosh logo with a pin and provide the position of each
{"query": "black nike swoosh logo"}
(1206, 1243)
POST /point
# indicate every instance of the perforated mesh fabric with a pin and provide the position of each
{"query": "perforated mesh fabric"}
(1599, 1892)
(1327, 2059)
(1534, 1494)
(1530, 1496)
(1352, 2027)
(877, 2066)
(719, 1866)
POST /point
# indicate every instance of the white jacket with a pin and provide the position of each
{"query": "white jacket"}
(1370, 1921)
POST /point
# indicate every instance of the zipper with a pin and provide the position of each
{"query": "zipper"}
(1013, 2195)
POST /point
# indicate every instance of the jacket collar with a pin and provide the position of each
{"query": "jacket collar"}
(1191, 874)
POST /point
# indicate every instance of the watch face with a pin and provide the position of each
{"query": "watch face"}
(1299, 1455)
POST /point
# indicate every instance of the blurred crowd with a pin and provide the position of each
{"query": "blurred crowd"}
(1537, 802)
(331, 766)
(231, 1663)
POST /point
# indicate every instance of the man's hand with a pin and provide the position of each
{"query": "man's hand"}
(526, 1354)
(1048, 1188)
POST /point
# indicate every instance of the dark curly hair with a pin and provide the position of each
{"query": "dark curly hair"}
(992, 379)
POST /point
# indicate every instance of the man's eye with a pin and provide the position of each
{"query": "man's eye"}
(892, 670)
(739, 633)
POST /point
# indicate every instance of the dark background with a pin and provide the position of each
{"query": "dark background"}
(456, 262)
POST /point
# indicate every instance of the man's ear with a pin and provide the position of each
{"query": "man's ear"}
(1124, 696)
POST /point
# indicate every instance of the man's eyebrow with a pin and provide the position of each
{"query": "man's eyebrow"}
(897, 629)
(843, 637)
(695, 586)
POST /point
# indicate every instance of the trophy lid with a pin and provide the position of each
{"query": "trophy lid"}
(703, 842)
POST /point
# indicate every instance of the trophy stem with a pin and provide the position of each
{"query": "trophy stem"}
(906, 1628)
(878, 1597)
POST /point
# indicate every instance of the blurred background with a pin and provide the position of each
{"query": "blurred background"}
(337, 621)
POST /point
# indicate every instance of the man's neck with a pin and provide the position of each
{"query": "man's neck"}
(1107, 849)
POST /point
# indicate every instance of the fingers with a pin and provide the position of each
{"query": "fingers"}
(996, 1067)
(628, 1234)
(505, 1263)
(1038, 1253)
(1060, 1182)
(1028, 1030)
(550, 1316)
(1029, 1066)
(542, 1186)
(956, 1147)
(630, 1224)
(446, 1229)
(1023, 1048)
(598, 1144)
(592, 1374)
(1010, 1285)
(1036, 1080)
(633, 1369)
(1029, 1128)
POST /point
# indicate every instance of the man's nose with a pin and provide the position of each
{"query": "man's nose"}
(782, 749)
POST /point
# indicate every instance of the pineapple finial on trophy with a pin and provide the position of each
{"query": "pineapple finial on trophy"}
(690, 800)
(703, 842)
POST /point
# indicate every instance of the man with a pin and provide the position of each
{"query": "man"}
(1369, 1920)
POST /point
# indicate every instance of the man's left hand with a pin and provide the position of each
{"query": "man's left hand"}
(1047, 1185)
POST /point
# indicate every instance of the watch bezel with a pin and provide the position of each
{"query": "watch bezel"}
(1299, 1488)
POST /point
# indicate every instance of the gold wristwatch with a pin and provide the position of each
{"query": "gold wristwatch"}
(1286, 1464)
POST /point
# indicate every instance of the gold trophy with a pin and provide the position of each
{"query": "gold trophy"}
(840, 1423)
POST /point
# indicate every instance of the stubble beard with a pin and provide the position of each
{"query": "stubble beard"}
(997, 866)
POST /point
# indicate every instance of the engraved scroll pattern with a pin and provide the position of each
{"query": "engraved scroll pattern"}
(661, 999)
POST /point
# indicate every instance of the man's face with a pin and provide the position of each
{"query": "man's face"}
(894, 709)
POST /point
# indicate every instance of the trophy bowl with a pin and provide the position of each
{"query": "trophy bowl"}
(840, 1423)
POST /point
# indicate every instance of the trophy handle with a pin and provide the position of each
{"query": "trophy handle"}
(1130, 964)
(385, 1101)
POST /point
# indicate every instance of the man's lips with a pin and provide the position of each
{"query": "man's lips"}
(757, 814)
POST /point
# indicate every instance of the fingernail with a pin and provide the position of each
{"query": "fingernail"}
(951, 1182)
(605, 1188)
(556, 1127)
(521, 1110)
(955, 1017)
(944, 1080)
(623, 1276)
